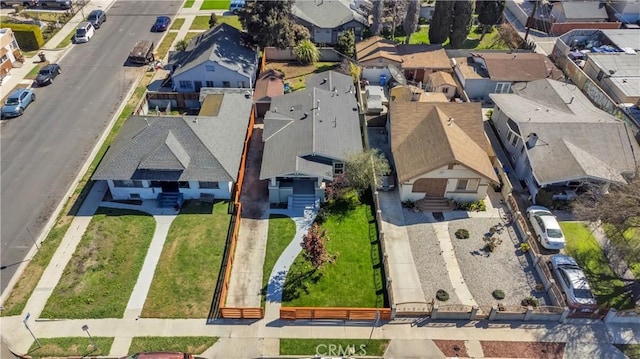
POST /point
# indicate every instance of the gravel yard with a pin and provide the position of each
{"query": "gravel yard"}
(426, 254)
(507, 268)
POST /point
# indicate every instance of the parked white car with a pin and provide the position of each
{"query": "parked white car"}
(546, 227)
(84, 32)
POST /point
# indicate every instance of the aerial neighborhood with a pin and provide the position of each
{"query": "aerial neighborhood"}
(320, 178)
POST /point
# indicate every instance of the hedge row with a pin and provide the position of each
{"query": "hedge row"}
(28, 36)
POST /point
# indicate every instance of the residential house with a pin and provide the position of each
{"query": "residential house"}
(376, 55)
(578, 11)
(307, 135)
(9, 52)
(442, 82)
(440, 150)
(557, 139)
(180, 157)
(218, 57)
(484, 73)
(269, 85)
(326, 19)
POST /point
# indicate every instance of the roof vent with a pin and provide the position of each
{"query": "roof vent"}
(324, 81)
(292, 108)
(450, 122)
(247, 94)
(306, 114)
(275, 109)
(531, 140)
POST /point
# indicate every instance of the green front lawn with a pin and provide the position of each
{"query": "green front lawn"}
(630, 350)
(607, 287)
(101, 274)
(202, 22)
(65, 347)
(355, 279)
(282, 229)
(188, 268)
(190, 35)
(192, 345)
(333, 347)
(419, 37)
(215, 5)
(177, 24)
(189, 4)
(628, 243)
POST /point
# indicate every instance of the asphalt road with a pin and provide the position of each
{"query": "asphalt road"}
(42, 151)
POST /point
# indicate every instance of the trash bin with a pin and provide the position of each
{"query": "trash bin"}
(42, 56)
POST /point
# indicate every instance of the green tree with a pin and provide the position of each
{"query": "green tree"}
(441, 21)
(411, 20)
(271, 23)
(182, 45)
(366, 168)
(347, 43)
(213, 20)
(489, 13)
(461, 24)
(377, 14)
(306, 52)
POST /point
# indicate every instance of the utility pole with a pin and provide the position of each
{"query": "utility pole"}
(530, 20)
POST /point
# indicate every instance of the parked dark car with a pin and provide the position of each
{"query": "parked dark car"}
(97, 17)
(47, 74)
(573, 283)
(56, 4)
(17, 102)
(161, 24)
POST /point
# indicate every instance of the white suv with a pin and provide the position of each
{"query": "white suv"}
(84, 32)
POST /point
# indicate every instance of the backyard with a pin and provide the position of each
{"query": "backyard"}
(609, 290)
(188, 268)
(355, 278)
(296, 74)
(491, 39)
(101, 274)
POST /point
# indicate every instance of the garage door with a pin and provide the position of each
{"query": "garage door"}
(431, 187)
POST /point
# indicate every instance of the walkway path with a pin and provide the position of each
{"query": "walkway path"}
(286, 259)
(449, 256)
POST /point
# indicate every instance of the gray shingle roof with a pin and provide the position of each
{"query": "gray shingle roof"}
(326, 14)
(306, 128)
(190, 148)
(223, 45)
(584, 10)
(575, 139)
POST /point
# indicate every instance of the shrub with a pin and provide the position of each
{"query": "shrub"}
(491, 243)
(422, 21)
(462, 233)
(442, 295)
(408, 204)
(524, 247)
(530, 301)
(29, 37)
(498, 294)
(472, 206)
(489, 114)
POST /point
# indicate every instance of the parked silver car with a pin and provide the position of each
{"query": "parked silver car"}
(573, 283)
(546, 226)
(17, 102)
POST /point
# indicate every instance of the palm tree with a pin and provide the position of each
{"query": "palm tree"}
(306, 52)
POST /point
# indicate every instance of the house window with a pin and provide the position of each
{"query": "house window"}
(155, 184)
(209, 83)
(186, 84)
(522, 149)
(514, 140)
(184, 184)
(600, 75)
(212, 185)
(127, 183)
(3, 59)
(510, 135)
(503, 87)
(241, 84)
(470, 185)
(210, 68)
(338, 168)
(226, 84)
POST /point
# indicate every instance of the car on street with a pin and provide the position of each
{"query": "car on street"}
(161, 24)
(236, 6)
(84, 32)
(47, 74)
(573, 283)
(97, 17)
(17, 102)
(546, 227)
(56, 4)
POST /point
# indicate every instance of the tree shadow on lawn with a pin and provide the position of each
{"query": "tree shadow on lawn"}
(299, 284)
(197, 207)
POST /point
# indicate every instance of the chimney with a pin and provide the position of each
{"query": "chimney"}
(531, 140)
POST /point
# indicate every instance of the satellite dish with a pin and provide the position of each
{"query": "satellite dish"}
(397, 74)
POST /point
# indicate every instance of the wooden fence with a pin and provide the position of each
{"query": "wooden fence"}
(221, 310)
(294, 313)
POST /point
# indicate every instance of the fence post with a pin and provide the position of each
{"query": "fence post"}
(528, 314)
(474, 311)
(565, 313)
(434, 312)
(493, 312)
(610, 315)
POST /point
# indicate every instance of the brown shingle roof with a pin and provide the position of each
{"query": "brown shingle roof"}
(408, 93)
(423, 56)
(269, 84)
(377, 47)
(440, 78)
(424, 139)
(518, 66)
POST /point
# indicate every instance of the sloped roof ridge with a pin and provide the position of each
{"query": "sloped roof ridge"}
(592, 165)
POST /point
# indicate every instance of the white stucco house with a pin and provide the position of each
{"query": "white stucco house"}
(218, 57)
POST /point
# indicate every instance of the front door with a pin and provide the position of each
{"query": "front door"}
(171, 187)
(198, 85)
(431, 187)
